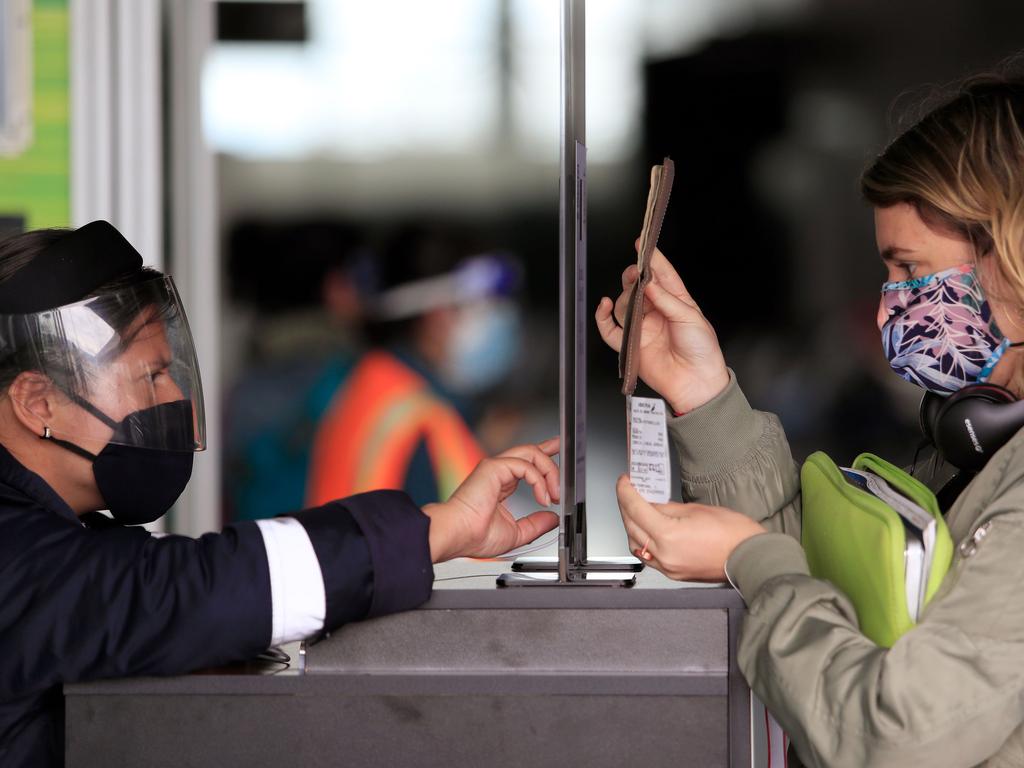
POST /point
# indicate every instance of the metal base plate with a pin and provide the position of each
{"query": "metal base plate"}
(604, 564)
(576, 579)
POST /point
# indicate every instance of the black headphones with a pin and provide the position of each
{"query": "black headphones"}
(971, 424)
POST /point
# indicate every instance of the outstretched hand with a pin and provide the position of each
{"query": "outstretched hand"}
(679, 353)
(474, 522)
(686, 542)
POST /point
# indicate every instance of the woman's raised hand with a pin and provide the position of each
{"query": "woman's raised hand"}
(679, 353)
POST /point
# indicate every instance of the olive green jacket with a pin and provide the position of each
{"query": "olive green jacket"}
(950, 692)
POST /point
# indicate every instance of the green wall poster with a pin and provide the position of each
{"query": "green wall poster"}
(35, 187)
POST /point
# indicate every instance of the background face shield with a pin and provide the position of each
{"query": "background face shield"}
(121, 368)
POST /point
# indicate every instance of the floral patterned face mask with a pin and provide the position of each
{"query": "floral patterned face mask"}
(941, 334)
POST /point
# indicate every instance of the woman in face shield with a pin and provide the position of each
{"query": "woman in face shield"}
(102, 409)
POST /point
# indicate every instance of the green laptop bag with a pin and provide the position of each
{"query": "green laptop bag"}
(856, 541)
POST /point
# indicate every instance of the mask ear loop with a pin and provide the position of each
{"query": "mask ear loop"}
(76, 449)
(91, 409)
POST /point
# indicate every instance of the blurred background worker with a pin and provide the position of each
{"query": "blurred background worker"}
(372, 382)
(441, 328)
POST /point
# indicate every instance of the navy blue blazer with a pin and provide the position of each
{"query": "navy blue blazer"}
(81, 602)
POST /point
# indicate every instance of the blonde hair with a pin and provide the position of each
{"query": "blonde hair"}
(962, 167)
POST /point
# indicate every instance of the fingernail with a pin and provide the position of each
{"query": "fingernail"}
(647, 555)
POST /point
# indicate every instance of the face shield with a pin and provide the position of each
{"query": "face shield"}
(118, 368)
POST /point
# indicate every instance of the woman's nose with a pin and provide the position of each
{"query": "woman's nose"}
(883, 314)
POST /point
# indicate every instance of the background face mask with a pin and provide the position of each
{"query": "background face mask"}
(484, 346)
(941, 334)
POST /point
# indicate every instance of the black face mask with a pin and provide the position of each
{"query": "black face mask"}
(140, 484)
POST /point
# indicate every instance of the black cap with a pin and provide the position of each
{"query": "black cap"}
(69, 270)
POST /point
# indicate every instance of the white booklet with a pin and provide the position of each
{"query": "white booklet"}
(919, 526)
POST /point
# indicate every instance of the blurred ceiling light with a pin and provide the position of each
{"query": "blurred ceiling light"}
(394, 78)
(402, 76)
(613, 77)
(258, 100)
(384, 78)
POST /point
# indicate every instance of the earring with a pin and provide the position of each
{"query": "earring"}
(46, 434)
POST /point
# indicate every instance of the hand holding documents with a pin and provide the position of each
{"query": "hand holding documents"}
(654, 324)
(645, 417)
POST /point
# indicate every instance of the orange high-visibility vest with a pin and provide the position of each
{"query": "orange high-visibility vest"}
(373, 427)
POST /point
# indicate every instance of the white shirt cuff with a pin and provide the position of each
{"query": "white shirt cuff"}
(297, 597)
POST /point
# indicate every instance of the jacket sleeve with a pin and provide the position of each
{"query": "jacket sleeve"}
(374, 554)
(733, 456)
(89, 604)
(83, 604)
(949, 692)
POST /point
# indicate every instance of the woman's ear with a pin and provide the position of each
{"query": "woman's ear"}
(32, 398)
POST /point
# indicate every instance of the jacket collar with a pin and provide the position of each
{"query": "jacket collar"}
(14, 475)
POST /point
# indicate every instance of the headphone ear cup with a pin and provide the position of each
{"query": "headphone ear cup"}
(972, 424)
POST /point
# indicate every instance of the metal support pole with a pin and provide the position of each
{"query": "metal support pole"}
(572, 566)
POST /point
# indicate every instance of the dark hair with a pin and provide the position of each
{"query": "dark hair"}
(960, 164)
(16, 251)
(20, 354)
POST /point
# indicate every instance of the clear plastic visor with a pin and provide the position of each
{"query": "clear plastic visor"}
(116, 368)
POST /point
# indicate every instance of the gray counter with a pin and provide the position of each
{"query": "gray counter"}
(477, 676)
